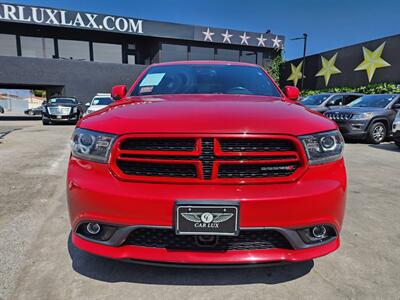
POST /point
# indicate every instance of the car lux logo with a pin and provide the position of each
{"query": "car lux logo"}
(68, 18)
(207, 220)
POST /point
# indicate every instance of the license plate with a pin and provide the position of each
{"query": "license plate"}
(207, 219)
(59, 117)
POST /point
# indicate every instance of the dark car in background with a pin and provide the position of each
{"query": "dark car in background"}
(1, 110)
(323, 102)
(34, 111)
(369, 117)
(61, 110)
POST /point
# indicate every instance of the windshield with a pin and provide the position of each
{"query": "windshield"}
(205, 79)
(62, 101)
(315, 99)
(102, 101)
(372, 101)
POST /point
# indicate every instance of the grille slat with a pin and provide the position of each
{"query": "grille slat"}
(157, 169)
(246, 240)
(255, 145)
(159, 144)
(256, 170)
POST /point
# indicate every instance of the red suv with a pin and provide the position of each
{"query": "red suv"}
(206, 163)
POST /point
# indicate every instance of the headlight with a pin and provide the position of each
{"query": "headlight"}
(323, 147)
(92, 145)
(363, 116)
(44, 109)
(74, 110)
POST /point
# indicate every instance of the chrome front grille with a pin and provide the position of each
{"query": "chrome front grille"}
(338, 116)
(59, 110)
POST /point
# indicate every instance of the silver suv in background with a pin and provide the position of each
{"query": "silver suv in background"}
(98, 102)
(323, 102)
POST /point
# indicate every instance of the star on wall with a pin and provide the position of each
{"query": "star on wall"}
(261, 41)
(372, 61)
(244, 38)
(208, 35)
(227, 37)
(328, 68)
(296, 74)
(276, 42)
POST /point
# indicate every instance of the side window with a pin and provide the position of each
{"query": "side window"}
(336, 100)
(350, 98)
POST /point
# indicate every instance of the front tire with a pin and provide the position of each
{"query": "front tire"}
(376, 133)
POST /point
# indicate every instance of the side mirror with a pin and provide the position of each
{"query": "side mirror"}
(87, 104)
(396, 106)
(118, 92)
(292, 92)
(330, 103)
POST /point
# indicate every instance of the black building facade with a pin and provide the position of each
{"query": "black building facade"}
(79, 54)
(370, 62)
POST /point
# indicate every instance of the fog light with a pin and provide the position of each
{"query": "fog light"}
(319, 232)
(93, 228)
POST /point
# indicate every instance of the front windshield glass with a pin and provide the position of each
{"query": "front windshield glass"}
(62, 101)
(102, 101)
(205, 79)
(315, 99)
(372, 101)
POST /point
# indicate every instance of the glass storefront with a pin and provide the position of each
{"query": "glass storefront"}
(201, 53)
(110, 53)
(8, 45)
(69, 49)
(37, 47)
(171, 52)
(227, 54)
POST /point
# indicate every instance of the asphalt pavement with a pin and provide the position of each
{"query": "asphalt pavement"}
(38, 261)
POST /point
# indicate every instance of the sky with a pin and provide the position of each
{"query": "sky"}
(329, 24)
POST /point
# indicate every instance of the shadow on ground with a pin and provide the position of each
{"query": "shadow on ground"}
(387, 146)
(107, 270)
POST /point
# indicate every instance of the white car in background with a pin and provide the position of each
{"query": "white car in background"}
(98, 102)
(396, 129)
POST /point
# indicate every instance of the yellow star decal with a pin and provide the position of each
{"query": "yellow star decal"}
(328, 68)
(372, 61)
(296, 74)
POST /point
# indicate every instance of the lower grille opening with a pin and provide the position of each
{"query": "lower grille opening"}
(157, 169)
(246, 240)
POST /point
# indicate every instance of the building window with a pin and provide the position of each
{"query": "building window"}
(170, 52)
(201, 53)
(226, 54)
(37, 47)
(8, 45)
(249, 57)
(69, 49)
(110, 53)
(131, 59)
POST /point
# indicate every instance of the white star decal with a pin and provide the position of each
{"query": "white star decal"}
(244, 38)
(261, 41)
(276, 42)
(208, 35)
(227, 37)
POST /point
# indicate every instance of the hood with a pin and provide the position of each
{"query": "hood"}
(207, 114)
(355, 110)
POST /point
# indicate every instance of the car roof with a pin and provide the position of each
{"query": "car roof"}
(204, 62)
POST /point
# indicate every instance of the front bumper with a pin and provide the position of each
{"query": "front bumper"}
(60, 118)
(94, 194)
(356, 129)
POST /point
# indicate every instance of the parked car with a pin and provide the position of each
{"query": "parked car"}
(369, 117)
(98, 102)
(323, 102)
(1, 109)
(206, 163)
(61, 110)
(34, 111)
(396, 129)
